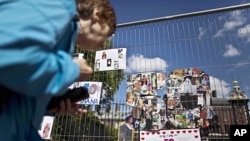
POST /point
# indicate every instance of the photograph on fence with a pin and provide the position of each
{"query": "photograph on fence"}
(46, 127)
(110, 59)
(142, 95)
(94, 88)
(188, 98)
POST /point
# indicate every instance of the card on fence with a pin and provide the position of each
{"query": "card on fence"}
(46, 127)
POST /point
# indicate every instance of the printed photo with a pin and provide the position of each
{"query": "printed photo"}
(110, 59)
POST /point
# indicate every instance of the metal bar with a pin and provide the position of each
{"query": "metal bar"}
(191, 14)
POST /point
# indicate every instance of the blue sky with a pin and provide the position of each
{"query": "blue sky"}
(134, 10)
(228, 52)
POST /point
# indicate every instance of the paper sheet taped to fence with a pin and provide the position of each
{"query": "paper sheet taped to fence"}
(94, 91)
(110, 59)
(46, 127)
(171, 135)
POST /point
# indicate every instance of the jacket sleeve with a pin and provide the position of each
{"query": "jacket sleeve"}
(32, 59)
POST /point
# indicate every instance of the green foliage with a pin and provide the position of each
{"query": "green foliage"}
(88, 127)
(85, 128)
(111, 79)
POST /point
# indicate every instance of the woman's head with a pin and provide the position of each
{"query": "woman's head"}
(129, 119)
(129, 98)
(97, 23)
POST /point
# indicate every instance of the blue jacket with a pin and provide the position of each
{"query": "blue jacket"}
(36, 41)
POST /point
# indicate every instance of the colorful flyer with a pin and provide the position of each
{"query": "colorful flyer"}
(171, 135)
(94, 88)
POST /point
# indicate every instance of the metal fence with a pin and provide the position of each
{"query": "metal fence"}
(216, 41)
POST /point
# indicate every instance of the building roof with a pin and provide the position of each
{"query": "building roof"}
(219, 102)
(114, 115)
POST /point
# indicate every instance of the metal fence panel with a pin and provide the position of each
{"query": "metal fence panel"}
(215, 41)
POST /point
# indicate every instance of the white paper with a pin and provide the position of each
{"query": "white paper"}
(94, 88)
(171, 135)
(110, 59)
(46, 127)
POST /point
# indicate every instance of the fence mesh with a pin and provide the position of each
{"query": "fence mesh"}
(216, 42)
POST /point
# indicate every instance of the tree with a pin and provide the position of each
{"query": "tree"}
(110, 79)
(82, 128)
(77, 127)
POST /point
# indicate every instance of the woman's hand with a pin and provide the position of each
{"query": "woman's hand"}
(85, 70)
(67, 107)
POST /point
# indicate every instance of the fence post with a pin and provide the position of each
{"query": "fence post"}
(239, 103)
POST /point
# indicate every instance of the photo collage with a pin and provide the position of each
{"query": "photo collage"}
(186, 103)
(142, 95)
(188, 98)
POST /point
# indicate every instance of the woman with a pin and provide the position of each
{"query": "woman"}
(36, 57)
